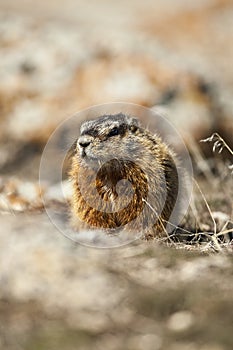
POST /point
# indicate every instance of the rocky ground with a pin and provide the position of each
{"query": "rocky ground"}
(55, 60)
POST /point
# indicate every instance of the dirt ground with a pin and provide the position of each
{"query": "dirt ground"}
(56, 59)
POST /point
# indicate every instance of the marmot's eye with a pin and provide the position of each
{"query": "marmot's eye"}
(113, 132)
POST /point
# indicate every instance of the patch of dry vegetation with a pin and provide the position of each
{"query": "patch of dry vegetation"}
(208, 225)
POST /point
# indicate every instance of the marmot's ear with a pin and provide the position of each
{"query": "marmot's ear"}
(134, 124)
(133, 128)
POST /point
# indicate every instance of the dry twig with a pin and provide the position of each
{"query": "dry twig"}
(218, 145)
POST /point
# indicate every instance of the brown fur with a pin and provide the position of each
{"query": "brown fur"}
(134, 155)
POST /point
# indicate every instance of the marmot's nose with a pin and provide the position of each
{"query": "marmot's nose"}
(85, 141)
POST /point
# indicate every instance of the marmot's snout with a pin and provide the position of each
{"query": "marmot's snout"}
(83, 142)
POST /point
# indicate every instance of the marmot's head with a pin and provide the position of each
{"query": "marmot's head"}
(109, 137)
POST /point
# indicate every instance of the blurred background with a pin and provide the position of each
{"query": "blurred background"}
(56, 58)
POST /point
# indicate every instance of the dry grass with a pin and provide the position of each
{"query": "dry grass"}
(208, 225)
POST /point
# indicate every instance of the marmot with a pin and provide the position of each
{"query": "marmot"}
(123, 177)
